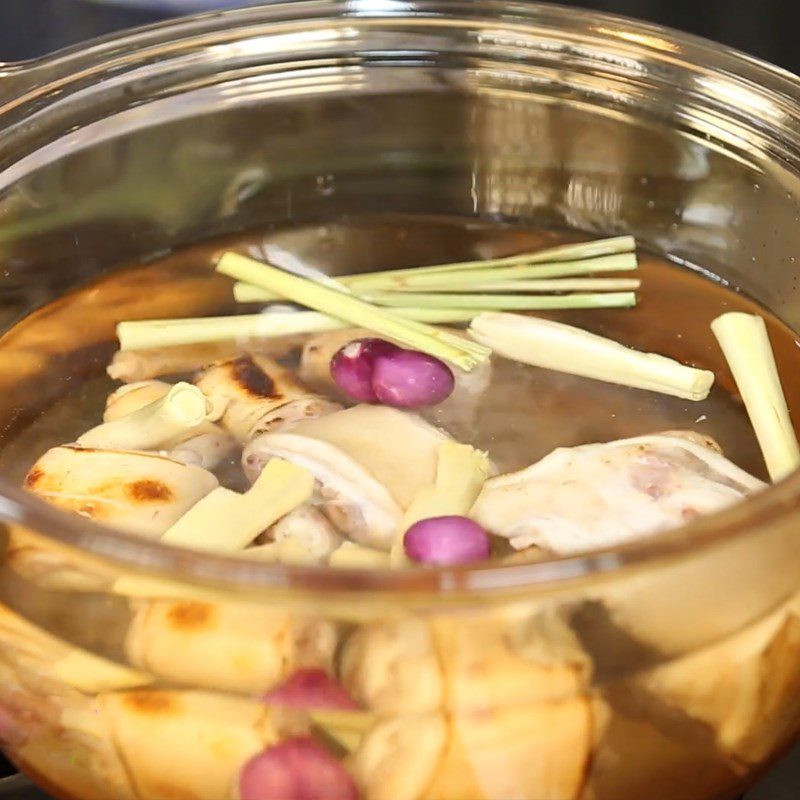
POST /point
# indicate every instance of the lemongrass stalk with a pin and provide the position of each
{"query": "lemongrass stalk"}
(225, 521)
(145, 334)
(563, 253)
(503, 302)
(353, 310)
(538, 286)
(553, 345)
(183, 407)
(92, 674)
(562, 261)
(745, 343)
(349, 555)
(432, 276)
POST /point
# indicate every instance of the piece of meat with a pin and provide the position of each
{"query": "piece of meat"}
(307, 530)
(260, 395)
(370, 462)
(601, 495)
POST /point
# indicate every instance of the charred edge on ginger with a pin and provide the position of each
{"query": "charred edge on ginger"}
(251, 377)
(190, 615)
(149, 491)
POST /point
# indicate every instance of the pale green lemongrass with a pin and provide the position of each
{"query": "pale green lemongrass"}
(144, 334)
(583, 251)
(604, 255)
(745, 343)
(225, 521)
(182, 408)
(431, 276)
(502, 302)
(418, 335)
(564, 348)
(536, 286)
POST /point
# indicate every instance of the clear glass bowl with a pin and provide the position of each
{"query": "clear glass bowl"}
(665, 669)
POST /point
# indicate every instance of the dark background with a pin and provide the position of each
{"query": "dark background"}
(761, 27)
(30, 28)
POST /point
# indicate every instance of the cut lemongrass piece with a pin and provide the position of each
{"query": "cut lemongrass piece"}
(146, 334)
(461, 471)
(184, 407)
(418, 335)
(346, 728)
(503, 302)
(225, 521)
(428, 277)
(553, 345)
(745, 343)
(538, 286)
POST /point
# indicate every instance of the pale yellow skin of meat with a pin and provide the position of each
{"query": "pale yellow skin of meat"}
(602, 495)
(361, 458)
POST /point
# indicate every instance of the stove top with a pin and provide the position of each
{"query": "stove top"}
(31, 28)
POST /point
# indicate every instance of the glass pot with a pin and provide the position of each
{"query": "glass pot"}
(129, 669)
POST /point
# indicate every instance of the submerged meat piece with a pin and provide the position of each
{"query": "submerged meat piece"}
(205, 445)
(309, 531)
(456, 413)
(260, 395)
(370, 461)
(467, 711)
(601, 495)
(139, 492)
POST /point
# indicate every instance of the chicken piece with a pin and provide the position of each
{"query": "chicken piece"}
(237, 648)
(398, 757)
(601, 495)
(392, 667)
(746, 687)
(131, 366)
(370, 461)
(206, 445)
(489, 661)
(260, 395)
(309, 530)
(457, 413)
(535, 752)
(525, 752)
(138, 492)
